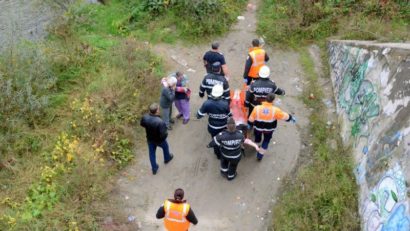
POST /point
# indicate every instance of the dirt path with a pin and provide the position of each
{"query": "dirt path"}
(243, 204)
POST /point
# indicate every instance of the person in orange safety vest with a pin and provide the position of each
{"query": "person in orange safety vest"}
(264, 119)
(257, 58)
(177, 213)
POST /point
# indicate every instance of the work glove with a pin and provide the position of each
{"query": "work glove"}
(245, 81)
(201, 95)
(283, 92)
(249, 127)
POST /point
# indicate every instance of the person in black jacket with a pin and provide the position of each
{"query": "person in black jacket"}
(260, 88)
(218, 111)
(212, 79)
(230, 143)
(157, 134)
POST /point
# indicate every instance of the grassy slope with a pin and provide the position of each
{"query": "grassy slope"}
(58, 167)
(294, 23)
(323, 195)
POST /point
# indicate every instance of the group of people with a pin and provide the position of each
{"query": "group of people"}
(227, 135)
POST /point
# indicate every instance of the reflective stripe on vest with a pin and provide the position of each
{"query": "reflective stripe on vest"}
(258, 60)
(175, 216)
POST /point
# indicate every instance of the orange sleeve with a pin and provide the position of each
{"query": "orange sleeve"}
(280, 115)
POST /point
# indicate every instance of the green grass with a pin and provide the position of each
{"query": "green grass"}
(297, 22)
(71, 105)
(323, 194)
(96, 83)
(160, 21)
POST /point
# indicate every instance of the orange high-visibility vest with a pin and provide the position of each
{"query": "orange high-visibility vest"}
(264, 117)
(175, 216)
(257, 55)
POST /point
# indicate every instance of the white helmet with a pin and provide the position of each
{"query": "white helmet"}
(217, 91)
(172, 81)
(264, 72)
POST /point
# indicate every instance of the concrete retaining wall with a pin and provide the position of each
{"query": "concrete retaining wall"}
(371, 84)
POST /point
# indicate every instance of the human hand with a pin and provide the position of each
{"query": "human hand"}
(258, 148)
(293, 120)
(164, 82)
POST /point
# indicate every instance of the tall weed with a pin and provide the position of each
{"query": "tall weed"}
(293, 22)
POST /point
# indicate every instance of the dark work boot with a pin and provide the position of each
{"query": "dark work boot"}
(171, 156)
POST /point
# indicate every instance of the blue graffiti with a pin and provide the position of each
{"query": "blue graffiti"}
(398, 220)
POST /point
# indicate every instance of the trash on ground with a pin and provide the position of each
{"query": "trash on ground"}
(241, 17)
(328, 103)
(131, 218)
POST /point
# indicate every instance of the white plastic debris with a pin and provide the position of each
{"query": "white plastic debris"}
(241, 17)
(131, 218)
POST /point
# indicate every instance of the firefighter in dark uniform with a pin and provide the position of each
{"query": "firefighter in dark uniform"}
(260, 88)
(212, 79)
(218, 111)
(230, 143)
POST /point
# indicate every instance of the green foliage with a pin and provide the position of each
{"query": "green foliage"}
(188, 20)
(26, 80)
(323, 195)
(92, 85)
(293, 22)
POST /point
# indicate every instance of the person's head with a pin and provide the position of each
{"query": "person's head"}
(215, 46)
(217, 91)
(154, 109)
(264, 72)
(172, 81)
(231, 124)
(216, 67)
(270, 97)
(179, 194)
(255, 42)
(179, 74)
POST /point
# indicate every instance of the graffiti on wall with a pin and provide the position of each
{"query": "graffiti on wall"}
(371, 89)
(356, 95)
(384, 148)
(387, 207)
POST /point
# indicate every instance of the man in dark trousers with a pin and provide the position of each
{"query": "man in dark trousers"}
(218, 111)
(230, 143)
(157, 134)
(212, 79)
(257, 57)
(265, 118)
(213, 56)
(177, 213)
(260, 88)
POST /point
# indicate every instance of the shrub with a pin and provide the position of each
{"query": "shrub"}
(292, 22)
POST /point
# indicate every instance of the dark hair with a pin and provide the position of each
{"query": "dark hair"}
(178, 74)
(216, 67)
(270, 97)
(153, 108)
(231, 124)
(215, 45)
(255, 42)
(179, 194)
